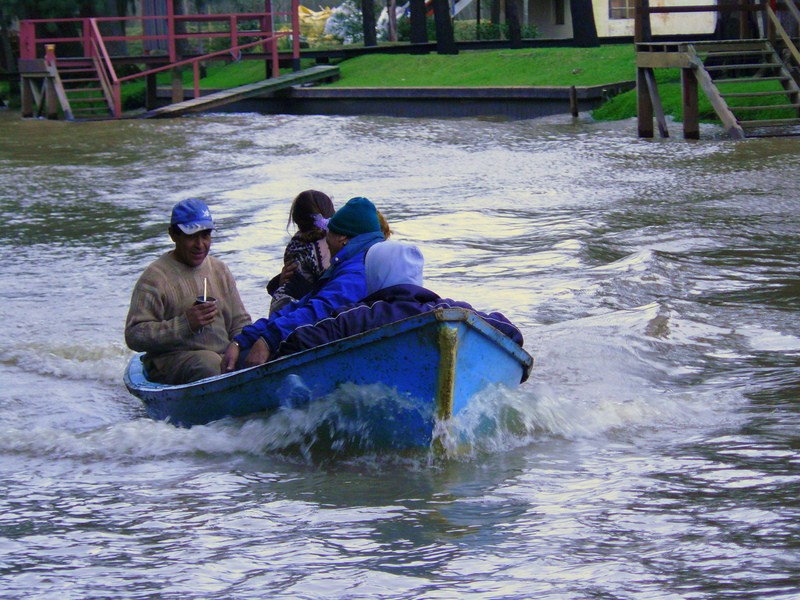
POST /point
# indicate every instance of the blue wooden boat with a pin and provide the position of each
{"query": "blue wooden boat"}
(437, 361)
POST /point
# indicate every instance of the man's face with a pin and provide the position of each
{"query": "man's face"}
(336, 242)
(191, 250)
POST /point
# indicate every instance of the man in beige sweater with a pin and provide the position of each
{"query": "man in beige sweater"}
(184, 339)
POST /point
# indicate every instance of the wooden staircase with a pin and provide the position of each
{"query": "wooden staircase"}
(742, 78)
(69, 85)
(82, 88)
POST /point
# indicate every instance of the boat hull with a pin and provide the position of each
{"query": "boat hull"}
(437, 360)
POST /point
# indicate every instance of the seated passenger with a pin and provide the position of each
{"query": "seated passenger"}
(184, 340)
(352, 230)
(394, 284)
(306, 256)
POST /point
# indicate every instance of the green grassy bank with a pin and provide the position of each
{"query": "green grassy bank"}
(478, 68)
(489, 68)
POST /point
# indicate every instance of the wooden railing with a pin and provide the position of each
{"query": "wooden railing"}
(643, 10)
(94, 45)
(777, 30)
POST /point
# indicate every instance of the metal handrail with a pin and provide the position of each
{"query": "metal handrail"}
(94, 44)
(105, 70)
(29, 42)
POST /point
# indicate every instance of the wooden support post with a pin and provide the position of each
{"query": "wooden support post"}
(151, 91)
(655, 101)
(744, 21)
(644, 106)
(26, 97)
(266, 29)
(691, 111)
(642, 31)
(50, 98)
(573, 101)
(196, 78)
(177, 86)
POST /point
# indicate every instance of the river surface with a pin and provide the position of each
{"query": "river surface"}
(654, 452)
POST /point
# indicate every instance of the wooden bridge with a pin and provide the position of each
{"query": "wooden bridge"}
(752, 83)
(260, 88)
(77, 77)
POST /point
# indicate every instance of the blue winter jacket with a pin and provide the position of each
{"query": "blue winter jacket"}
(342, 283)
(384, 306)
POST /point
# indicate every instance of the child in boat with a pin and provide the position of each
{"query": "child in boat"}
(393, 272)
(352, 230)
(307, 255)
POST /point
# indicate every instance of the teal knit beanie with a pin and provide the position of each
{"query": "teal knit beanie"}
(358, 216)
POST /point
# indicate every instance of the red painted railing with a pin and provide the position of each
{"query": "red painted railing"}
(232, 27)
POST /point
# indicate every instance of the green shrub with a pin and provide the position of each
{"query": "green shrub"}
(466, 31)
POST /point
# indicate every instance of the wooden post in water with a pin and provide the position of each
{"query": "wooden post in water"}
(50, 97)
(644, 105)
(26, 97)
(151, 92)
(573, 101)
(177, 85)
(691, 111)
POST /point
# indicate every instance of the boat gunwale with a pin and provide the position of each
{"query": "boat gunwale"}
(139, 386)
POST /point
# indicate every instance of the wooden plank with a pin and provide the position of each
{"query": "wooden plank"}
(765, 107)
(771, 123)
(658, 109)
(33, 67)
(662, 60)
(644, 106)
(720, 106)
(691, 110)
(221, 98)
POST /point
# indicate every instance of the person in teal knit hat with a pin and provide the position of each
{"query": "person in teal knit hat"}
(352, 230)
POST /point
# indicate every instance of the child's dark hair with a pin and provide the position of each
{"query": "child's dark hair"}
(306, 205)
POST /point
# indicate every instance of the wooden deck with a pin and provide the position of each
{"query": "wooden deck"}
(260, 88)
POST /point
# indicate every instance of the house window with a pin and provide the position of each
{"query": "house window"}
(621, 9)
(558, 11)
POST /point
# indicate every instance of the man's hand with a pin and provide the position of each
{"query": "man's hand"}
(200, 315)
(258, 355)
(230, 358)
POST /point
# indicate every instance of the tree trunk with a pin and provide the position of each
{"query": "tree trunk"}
(391, 11)
(445, 40)
(494, 12)
(419, 26)
(368, 22)
(8, 62)
(514, 29)
(584, 30)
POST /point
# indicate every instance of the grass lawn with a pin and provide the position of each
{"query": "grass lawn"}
(480, 68)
